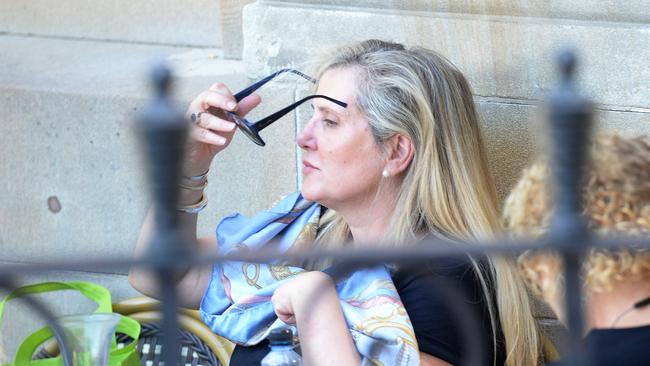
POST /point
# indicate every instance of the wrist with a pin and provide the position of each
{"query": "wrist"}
(192, 198)
(195, 165)
(195, 207)
(189, 197)
(196, 174)
(321, 287)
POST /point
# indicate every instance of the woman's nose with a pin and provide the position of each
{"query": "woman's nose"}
(306, 139)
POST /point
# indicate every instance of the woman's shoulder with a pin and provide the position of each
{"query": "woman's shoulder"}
(450, 269)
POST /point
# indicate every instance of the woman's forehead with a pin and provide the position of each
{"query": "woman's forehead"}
(339, 84)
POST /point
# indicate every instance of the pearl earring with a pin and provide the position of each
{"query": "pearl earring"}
(385, 173)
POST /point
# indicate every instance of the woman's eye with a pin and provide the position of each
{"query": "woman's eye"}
(329, 122)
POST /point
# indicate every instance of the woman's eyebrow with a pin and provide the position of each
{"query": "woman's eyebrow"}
(325, 109)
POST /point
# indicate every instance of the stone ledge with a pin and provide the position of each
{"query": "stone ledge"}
(609, 10)
(108, 68)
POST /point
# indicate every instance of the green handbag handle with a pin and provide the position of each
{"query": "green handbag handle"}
(96, 293)
(126, 356)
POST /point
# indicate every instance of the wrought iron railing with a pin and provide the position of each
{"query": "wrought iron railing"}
(163, 130)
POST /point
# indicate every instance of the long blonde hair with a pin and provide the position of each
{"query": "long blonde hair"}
(448, 189)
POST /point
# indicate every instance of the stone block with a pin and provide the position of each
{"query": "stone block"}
(231, 24)
(161, 21)
(516, 135)
(507, 57)
(608, 10)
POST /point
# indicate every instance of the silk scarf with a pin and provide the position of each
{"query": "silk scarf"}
(237, 303)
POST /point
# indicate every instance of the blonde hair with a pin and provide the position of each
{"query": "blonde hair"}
(448, 189)
(616, 200)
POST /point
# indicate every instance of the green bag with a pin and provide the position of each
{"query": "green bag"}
(126, 356)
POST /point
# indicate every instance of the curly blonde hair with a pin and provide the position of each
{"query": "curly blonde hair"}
(616, 200)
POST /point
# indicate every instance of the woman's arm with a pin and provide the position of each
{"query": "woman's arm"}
(208, 135)
(311, 302)
(192, 285)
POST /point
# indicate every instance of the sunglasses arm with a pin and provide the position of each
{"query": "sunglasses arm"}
(258, 84)
(265, 122)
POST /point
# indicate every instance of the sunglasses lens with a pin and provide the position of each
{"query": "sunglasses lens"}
(247, 128)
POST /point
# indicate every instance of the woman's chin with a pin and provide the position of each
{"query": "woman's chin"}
(313, 192)
(309, 194)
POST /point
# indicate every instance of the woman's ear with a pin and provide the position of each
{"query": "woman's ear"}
(400, 154)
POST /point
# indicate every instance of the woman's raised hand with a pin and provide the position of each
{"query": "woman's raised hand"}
(212, 131)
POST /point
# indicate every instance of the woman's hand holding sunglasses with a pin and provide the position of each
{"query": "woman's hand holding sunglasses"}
(211, 130)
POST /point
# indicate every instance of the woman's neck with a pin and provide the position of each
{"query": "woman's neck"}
(368, 230)
(369, 222)
(612, 309)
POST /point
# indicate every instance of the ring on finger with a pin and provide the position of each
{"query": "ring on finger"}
(196, 117)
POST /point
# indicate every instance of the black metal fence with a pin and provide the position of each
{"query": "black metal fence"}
(163, 130)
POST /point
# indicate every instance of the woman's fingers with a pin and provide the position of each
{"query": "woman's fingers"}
(247, 104)
(219, 99)
(213, 99)
(206, 136)
(215, 123)
(243, 107)
(282, 306)
(290, 319)
(211, 125)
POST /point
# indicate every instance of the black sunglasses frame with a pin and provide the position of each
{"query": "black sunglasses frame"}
(252, 129)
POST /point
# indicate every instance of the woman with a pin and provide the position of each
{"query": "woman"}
(402, 160)
(616, 197)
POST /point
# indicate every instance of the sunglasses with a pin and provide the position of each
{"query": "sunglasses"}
(252, 129)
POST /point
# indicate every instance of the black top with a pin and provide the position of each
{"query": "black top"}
(449, 313)
(444, 299)
(618, 346)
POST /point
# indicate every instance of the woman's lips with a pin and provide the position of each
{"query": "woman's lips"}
(307, 167)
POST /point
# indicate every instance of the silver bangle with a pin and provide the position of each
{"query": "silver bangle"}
(195, 208)
(194, 188)
(197, 178)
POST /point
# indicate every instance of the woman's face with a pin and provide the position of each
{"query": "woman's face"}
(342, 164)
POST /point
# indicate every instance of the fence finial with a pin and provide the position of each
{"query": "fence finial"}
(163, 132)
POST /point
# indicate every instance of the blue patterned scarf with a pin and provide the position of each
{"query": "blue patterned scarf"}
(237, 303)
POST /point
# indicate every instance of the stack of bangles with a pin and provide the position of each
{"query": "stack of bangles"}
(202, 182)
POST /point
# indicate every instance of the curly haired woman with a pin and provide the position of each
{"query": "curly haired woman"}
(616, 199)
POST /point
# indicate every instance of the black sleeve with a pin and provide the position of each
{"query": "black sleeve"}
(442, 300)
